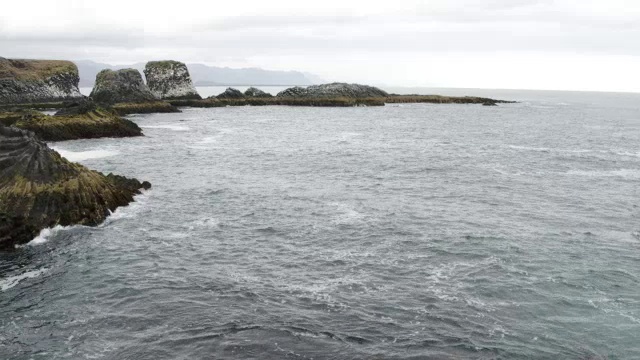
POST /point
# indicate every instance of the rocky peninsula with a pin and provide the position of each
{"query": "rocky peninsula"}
(38, 81)
(81, 120)
(170, 80)
(40, 189)
(330, 95)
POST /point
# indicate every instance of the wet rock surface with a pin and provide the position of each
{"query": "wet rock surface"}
(40, 189)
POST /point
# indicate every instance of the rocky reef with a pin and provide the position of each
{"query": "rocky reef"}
(231, 93)
(256, 93)
(170, 80)
(37, 81)
(81, 120)
(121, 86)
(334, 90)
(40, 189)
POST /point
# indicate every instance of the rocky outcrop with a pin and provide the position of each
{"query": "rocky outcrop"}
(37, 81)
(121, 86)
(79, 120)
(256, 93)
(231, 93)
(170, 80)
(334, 90)
(40, 189)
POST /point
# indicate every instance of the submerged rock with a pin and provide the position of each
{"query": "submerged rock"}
(334, 90)
(40, 189)
(231, 93)
(37, 81)
(170, 80)
(121, 86)
(256, 93)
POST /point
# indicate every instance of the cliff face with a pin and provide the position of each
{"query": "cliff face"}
(121, 86)
(334, 90)
(38, 81)
(170, 80)
(40, 189)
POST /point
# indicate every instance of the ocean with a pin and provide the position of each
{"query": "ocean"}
(410, 231)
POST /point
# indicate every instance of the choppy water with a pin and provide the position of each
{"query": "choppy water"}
(413, 231)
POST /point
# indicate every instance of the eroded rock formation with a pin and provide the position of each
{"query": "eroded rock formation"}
(121, 86)
(231, 93)
(256, 93)
(40, 189)
(37, 81)
(334, 90)
(79, 120)
(170, 80)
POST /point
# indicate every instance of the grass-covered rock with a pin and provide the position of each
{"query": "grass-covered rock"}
(149, 107)
(40, 189)
(86, 121)
(121, 86)
(37, 81)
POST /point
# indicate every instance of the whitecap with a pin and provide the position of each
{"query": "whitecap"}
(623, 173)
(12, 281)
(85, 155)
(168, 127)
(128, 211)
(45, 234)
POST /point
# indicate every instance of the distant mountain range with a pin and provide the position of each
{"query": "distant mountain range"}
(203, 75)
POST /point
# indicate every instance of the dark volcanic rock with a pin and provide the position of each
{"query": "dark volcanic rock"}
(334, 90)
(80, 120)
(37, 81)
(121, 86)
(170, 80)
(40, 189)
(231, 93)
(79, 107)
(256, 93)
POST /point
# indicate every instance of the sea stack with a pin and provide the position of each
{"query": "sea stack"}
(334, 90)
(40, 189)
(170, 80)
(121, 86)
(38, 81)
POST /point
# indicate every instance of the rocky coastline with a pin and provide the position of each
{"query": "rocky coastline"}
(41, 189)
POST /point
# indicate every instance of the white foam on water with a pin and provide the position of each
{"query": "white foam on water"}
(45, 234)
(623, 173)
(85, 155)
(168, 127)
(129, 211)
(12, 281)
(548, 150)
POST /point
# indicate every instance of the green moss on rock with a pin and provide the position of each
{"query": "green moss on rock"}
(40, 189)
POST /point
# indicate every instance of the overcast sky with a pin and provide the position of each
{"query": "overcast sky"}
(524, 44)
